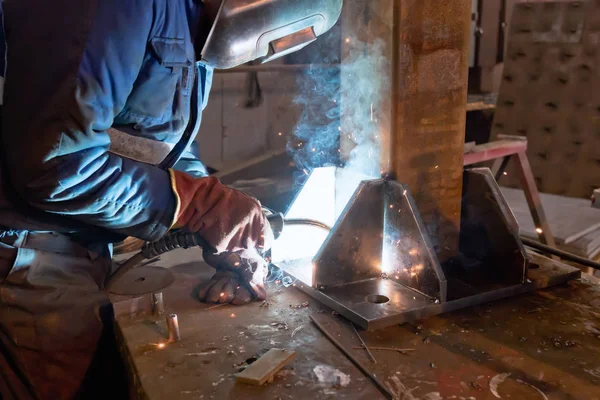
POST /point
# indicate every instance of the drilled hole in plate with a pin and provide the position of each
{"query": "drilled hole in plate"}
(140, 279)
(377, 299)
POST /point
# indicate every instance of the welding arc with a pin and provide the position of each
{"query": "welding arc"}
(560, 253)
(306, 222)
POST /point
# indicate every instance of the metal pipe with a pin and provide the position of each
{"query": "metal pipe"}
(173, 328)
(560, 253)
(158, 304)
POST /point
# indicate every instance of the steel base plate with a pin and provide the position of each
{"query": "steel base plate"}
(143, 280)
(379, 303)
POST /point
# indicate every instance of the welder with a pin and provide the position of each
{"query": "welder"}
(102, 100)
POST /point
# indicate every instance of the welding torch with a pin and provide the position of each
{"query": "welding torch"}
(183, 240)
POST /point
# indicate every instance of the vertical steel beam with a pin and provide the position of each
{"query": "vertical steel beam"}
(429, 85)
(421, 112)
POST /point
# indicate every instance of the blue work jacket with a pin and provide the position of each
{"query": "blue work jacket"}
(74, 69)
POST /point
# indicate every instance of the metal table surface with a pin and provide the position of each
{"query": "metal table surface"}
(543, 345)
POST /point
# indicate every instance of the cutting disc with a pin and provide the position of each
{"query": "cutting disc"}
(143, 280)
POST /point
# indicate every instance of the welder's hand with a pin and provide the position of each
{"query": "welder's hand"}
(246, 267)
(227, 219)
(226, 288)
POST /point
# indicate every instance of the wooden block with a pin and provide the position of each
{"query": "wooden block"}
(265, 368)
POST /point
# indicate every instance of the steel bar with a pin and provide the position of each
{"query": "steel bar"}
(173, 328)
(387, 349)
(158, 304)
(494, 150)
(560, 253)
(533, 200)
(364, 345)
(429, 78)
(382, 388)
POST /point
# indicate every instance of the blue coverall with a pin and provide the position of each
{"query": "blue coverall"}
(76, 68)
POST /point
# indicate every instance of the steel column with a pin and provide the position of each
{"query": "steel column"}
(430, 73)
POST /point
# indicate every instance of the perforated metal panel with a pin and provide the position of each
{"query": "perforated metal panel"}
(550, 93)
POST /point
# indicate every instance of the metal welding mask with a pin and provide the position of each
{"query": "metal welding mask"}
(246, 30)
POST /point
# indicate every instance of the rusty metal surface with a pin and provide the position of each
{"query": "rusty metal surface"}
(430, 69)
(548, 339)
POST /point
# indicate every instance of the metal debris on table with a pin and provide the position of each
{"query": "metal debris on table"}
(306, 304)
(281, 326)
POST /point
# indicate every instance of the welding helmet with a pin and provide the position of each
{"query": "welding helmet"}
(246, 30)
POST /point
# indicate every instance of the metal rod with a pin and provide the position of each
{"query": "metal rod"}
(158, 304)
(560, 253)
(364, 344)
(387, 349)
(173, 328)
(382, 388)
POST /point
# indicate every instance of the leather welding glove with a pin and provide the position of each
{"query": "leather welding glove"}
(227, 219)
(240, 278)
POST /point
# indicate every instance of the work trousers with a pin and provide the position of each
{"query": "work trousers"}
(56, 336)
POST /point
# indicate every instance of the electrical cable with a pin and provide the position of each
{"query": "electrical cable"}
(184, 240)
(306, 222)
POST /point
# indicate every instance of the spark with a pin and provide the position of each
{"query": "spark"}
(232, 315)
(391, 206)
(437, 166)
(161, 345)
(305, 172)
(313, 149)
(419, 267)
(539, 230)
(222, 294)
(413, 252)
(347, 40)
(505, 173)
(280, 134)
(413, 274)
(339, 128)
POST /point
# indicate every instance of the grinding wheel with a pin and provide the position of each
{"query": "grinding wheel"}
(143, 280)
